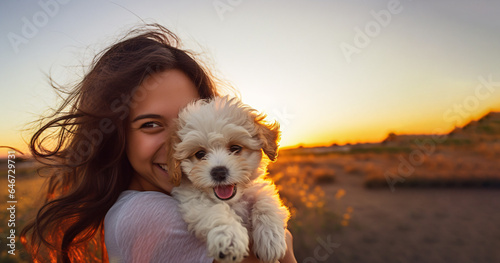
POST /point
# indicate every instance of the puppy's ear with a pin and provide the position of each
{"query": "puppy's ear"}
(174, 165)
(269, 134)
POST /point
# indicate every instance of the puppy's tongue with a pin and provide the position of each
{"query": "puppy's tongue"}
(224, 192)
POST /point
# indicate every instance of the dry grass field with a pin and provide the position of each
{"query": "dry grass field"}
(417, 222)
(28, 195)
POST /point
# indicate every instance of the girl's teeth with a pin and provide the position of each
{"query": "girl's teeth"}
(163, 166)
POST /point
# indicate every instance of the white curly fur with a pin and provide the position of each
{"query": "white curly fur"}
(255, 215)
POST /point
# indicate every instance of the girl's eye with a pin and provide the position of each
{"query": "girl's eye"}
(200, 154)
(235, 148)
(150, 125)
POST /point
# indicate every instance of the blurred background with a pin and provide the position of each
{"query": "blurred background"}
(389, 110)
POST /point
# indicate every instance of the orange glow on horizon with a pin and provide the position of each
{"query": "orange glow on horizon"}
(21, 150)
(377, 133)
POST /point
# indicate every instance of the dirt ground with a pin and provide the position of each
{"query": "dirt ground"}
(411, 224)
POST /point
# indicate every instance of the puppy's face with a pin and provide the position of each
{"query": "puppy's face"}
(219, 146)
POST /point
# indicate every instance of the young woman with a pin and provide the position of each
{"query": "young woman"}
(108, 187)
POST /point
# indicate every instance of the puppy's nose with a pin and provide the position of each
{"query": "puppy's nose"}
(219, 173)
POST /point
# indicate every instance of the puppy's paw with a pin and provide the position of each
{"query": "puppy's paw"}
(228, 243)
(269, 244)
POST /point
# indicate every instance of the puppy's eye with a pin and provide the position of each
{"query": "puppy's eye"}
(235, 148)
(200, 154)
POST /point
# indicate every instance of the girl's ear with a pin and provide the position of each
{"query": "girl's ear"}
(173, 165)
(269, 134)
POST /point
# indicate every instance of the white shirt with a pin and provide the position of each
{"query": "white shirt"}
(147, 227)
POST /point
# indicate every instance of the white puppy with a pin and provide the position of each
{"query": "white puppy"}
(216, 154)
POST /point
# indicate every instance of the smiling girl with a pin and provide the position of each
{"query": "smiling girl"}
(108, 190)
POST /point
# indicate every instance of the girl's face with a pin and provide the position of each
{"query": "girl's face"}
(154, 105)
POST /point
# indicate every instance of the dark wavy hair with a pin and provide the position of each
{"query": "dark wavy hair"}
(82, 144)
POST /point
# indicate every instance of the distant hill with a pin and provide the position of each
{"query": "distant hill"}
(486, 129)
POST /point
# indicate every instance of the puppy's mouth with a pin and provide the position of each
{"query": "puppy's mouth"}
(225, 192)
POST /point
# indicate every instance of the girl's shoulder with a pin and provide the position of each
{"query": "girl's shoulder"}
(143, 225)
(132, 197)
(128, 195)
(136, 205)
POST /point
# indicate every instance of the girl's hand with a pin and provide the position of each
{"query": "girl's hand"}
(289, 256)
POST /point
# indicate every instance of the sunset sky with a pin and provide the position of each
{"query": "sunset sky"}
(328, 71)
